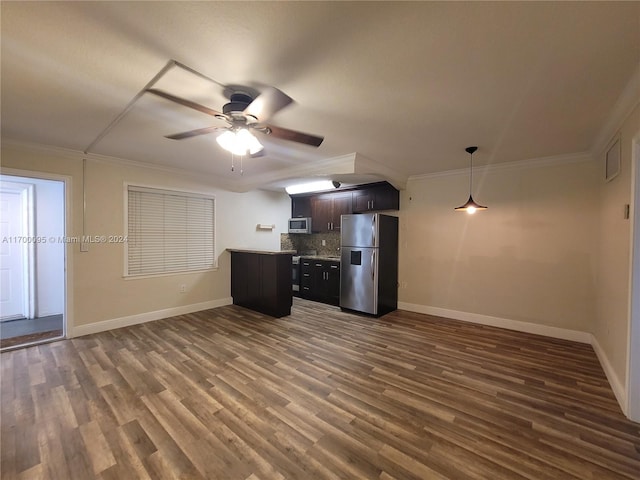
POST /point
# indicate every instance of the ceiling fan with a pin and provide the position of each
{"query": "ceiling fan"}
(246, 111)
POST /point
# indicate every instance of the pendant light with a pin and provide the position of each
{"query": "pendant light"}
(471, 206)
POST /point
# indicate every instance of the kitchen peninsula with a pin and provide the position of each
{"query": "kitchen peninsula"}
(261, 280)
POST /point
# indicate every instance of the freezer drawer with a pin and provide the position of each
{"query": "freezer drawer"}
(358, 279)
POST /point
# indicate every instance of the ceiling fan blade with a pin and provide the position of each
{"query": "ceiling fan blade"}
(194, 133)
(185, 102)
(293, 136)
(267, 103)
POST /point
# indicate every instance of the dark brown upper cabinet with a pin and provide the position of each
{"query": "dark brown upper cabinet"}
(301, 206)
(379, 196)
(326, 210)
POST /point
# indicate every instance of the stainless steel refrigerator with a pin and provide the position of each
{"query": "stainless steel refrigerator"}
(369, 263)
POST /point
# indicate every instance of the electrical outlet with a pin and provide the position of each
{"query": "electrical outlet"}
(324, 243)
(183, 288)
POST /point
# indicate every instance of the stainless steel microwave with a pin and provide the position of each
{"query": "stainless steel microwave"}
(300, 225)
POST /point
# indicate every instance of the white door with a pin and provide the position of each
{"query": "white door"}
(14, 250)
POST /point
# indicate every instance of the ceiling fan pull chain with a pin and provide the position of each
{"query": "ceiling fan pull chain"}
(233, 168)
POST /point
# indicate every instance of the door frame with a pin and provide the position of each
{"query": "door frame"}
(633, 367)
(68, 318)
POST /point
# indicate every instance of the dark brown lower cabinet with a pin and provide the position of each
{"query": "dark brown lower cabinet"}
(262, 282)
(320, 280)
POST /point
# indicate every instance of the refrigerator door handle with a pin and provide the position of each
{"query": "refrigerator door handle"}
(373, 230)
(373, 263)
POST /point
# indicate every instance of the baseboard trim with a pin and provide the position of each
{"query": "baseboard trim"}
(546, 330)
(120, 322)
(616, 385)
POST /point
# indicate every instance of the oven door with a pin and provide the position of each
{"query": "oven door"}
(295, 275)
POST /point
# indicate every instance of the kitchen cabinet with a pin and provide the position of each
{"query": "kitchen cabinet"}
(301, 206)
(375, 197)
(320, 280)
(326, 210)
(261, 281)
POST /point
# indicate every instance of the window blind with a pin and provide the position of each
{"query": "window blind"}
(169, 232)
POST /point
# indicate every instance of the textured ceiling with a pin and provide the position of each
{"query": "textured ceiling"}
(396, 89)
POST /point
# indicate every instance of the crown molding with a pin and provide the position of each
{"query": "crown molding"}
(42, 148)
(212, 180)
(335, 165)
(552, 161)
(627, 101)
(366, 166)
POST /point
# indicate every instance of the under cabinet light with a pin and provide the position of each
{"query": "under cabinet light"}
(311, 187)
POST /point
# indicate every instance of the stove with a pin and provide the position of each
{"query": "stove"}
(295, 274)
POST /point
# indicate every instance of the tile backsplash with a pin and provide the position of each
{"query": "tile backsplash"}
(305, 243)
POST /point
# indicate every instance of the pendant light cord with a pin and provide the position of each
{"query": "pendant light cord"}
(471, 177)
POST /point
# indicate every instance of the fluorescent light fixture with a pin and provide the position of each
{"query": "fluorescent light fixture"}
(311, 187)
(239, 142)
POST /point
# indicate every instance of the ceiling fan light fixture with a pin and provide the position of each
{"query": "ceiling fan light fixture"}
(471, 206)
(239, 142)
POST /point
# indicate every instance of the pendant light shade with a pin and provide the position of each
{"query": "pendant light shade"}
(471, 206)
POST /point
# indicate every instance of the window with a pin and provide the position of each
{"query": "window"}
(169, 232)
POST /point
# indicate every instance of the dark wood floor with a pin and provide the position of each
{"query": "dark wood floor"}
(230, 394)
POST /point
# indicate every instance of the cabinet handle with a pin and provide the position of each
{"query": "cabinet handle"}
(334, 266)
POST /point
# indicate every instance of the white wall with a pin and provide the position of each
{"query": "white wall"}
(529, 258)
(613, 296)
(49, 206)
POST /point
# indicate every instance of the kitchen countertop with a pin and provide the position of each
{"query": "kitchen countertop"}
(321, 257)
(263, 252)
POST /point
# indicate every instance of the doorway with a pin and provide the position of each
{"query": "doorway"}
(32, 260)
